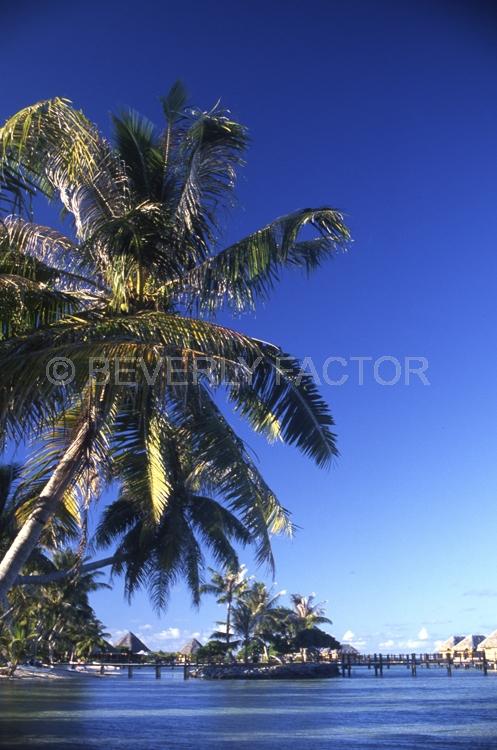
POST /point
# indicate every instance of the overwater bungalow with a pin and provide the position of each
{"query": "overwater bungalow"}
(189, 650)
(131, 644)
(489, 646)
(345, 649)
(447, 647)
(467, 646)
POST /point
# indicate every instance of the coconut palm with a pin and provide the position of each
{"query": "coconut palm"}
(87, 637)
(307, 612)
(157, 552)
(59, 613)
(253, 616)
(15, 645)
(136, 284)
(306, 615)
(68, 622)
(227, 586)
(203, 512)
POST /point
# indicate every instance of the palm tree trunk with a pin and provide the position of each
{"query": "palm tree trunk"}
(61, 575)
(12, 668)
(228, 626)
(28, 537)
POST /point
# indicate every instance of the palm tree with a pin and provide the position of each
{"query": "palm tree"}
(15, 645)
(16, 503)
(157, 552)
(253, 615)
(60, 614)
(89, 635)
(69, 623)
(307, 614)
(138, 281)
(227, 587)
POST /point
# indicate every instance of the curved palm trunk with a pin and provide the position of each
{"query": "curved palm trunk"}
(265, 652)
(28, 537)
(61, 575)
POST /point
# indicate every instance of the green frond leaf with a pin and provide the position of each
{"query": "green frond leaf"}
(57, 148)
(248, 270)
(26, 305)
(174, 103)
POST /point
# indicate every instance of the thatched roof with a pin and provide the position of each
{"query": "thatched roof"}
(131, 643)
(449, 644)
(489, 642)
(191, 647)
(346, 648)
(469, 643)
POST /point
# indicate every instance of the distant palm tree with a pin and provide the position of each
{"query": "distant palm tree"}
(253, 615)
(306, 615)
(62, 611)
(138, 282)
(15, 645)
(87, 637)
(227, 587)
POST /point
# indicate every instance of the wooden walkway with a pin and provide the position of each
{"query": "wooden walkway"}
(376, 663)
(412, 662)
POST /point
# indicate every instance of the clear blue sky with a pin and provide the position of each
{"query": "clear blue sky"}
(387, 110)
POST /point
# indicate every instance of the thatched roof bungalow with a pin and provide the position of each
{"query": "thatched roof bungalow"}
(189, 650)
(132, 644)
(468, 645)
(447, 647)
(346, 648)
(489, 646)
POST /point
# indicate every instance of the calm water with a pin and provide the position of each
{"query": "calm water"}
(398, 711)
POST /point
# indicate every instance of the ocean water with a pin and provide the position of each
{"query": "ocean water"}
(397, 711)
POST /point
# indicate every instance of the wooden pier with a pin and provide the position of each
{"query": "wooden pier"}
(413, 662)
(374, 664)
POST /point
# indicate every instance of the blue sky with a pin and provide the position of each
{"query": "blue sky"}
(388, 111)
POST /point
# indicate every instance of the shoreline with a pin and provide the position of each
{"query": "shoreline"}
(37, 674)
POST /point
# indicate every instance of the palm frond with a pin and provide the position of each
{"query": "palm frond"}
(248, 270)
(16, 191)
(61, 152)
(67, 261)
(249, 365)
(225, 463)
(140, 458)
(173, 105)
(135, 140)
(202, 176)
(218, 527)
(26, 305)
(9, 476)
